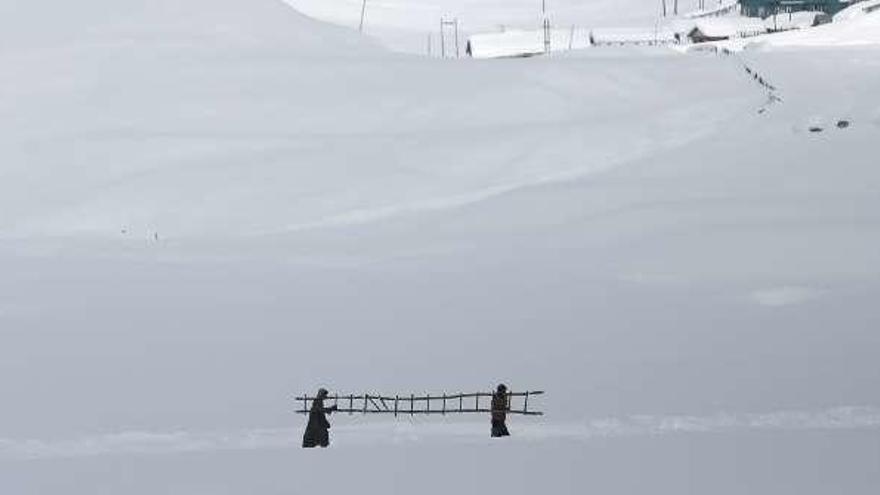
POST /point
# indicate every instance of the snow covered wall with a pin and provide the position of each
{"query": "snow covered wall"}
(207, 208)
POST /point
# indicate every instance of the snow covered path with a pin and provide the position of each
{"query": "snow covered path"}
(350, 431)
(721, 464)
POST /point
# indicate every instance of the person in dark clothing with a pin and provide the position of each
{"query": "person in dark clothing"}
(500, 406)
(318, 430)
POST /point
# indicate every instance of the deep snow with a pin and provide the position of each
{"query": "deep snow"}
(406, 25)
(198, 223)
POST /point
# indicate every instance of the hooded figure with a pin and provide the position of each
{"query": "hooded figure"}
(500, 406)
(318, 430)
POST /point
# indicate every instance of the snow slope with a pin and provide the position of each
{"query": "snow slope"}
(693, 282)
(35, 25)
(858, 9)
(862, 30)
(104, 138)
(859, 30)
(406, 24)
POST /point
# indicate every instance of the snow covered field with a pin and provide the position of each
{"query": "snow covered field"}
(207, 207)
(406, 24)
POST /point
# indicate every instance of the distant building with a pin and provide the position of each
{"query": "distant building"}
(767, 8)
(631, 36)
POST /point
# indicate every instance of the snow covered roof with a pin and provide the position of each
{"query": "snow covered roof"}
(730, 27)
(631, 35)
(514, 43)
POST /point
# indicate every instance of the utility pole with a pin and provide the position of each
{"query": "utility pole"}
(363, 13)
(457, 52)
(546, 27)
(442, 39)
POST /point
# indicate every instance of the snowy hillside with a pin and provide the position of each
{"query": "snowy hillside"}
(425, 14)
(857, 26)
(208, 207)
(130, 136)
(846, 30)
(406, 24)
(108, 24)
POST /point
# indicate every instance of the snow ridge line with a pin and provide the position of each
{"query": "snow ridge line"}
(369, 214)
(407, 431)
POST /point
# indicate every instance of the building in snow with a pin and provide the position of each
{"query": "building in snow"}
(725, 28)
(767, 8)
(631, 36)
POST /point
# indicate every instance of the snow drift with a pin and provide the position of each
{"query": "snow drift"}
(245, 131)
(197, 223)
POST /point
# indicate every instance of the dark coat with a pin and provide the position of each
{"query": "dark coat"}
(500, 406)
(318, 430)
